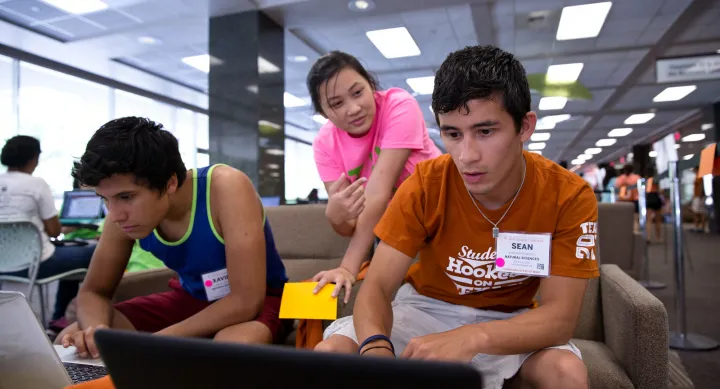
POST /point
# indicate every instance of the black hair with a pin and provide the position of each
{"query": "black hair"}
(481, 72)
(628, 169)
(610, 173)
(131, 145)
(19, 151)
(329, 65)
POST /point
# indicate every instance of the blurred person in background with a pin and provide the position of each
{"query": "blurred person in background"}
(698, 204)
(370, 144)
(654, 205)
(626, 184)
(609, 193)
(27, 198)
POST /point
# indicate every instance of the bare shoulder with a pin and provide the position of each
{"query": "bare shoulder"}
(228, 178)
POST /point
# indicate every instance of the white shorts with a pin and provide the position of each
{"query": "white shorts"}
(415, 315)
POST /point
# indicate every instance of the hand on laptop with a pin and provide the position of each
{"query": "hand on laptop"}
(457, 345)
(84, 341)
(339, 276)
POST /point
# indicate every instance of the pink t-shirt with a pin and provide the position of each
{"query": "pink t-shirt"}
(398, 124)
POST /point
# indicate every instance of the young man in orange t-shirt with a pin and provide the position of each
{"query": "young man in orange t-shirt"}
(494, 225)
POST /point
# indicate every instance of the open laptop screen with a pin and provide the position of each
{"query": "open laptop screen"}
(81, 205)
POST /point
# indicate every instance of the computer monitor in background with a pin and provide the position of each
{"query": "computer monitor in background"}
(81, 207)
(272, 201)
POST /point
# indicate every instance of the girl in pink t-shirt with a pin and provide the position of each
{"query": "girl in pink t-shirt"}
(369, 146)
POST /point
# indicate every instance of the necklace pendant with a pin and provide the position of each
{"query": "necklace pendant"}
(496, 232)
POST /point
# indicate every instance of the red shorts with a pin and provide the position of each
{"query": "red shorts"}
(157, 311)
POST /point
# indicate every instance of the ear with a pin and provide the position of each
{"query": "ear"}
(527, 127)
(172, 184)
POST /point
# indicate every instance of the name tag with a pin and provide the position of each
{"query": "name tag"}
(526, 254)
(216, 284)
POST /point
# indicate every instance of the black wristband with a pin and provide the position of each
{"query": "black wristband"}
(370, 348)
(374, 338)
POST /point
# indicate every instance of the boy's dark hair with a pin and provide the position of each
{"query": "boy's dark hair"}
(131, 145)
(480, 72)
(327, 67)
(19, 151)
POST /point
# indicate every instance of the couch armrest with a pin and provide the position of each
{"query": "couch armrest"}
(639, 251)
(636, 328)
(143, 283)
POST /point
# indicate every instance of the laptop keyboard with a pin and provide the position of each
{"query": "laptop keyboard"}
(80, 373)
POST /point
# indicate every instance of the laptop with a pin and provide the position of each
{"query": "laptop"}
(28, 359)
(81, 208)
(142, 361)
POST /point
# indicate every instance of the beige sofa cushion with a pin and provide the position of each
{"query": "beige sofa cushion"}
(604, 369)
(303, 231)
(590, 322)
(299, 269)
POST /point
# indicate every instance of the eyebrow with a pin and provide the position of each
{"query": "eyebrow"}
(486, 123)
(349, 89)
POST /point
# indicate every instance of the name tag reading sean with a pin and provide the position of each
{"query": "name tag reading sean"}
(216, 284)
(527, 254)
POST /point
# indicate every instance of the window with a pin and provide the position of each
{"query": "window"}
(7, 114)
(63, 112)
(184, 131)
(128, 104)
(202, 136)
(301, 174)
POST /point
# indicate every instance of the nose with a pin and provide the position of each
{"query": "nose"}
(470, 152)
(354, 109)
(116, 214)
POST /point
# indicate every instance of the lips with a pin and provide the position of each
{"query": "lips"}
(473, 177)
(128, 229)
(358, 122)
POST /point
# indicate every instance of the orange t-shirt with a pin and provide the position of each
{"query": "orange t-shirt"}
(433, 213)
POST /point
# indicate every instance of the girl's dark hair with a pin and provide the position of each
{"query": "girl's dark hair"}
(628, 169)
(327, 67)
(19, 151)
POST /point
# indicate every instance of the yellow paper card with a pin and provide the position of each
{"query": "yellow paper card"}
(299, 302)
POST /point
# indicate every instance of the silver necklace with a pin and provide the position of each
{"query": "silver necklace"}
(496, 230)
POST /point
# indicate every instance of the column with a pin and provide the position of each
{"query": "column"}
(641, 159)
(246, 85)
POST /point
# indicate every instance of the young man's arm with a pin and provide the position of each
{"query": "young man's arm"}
(107, 266)
(240, 218)
(372, 314)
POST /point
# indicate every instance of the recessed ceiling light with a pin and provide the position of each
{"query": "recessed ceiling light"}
(536, 146)
(536, 152)
(361, 5)
(693, 138)
(554, 102)
(563, 74)
(639, 118)
(677, 147)
(275, 151)
(689, 156)
(292, 101)
(706, 126)
(268, 123)
(148, 40)
(605, 142)
(394, 42)
(297, 58)
(584, 157)
(275, 174)
(78, 7)
(319, 119)
(273, 166)
(652, 154)
(618, 132)
(422, 85)
(202, 62)
(577, 162)
(582, 21)
(674, 93)
(265, 66)
(593, 150)
(540, 136)
(252, 88)
(549, 122)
